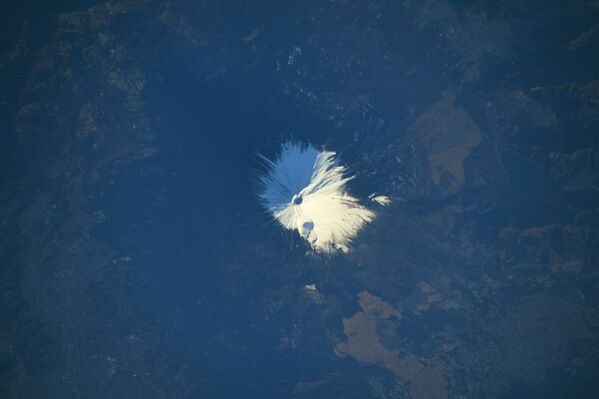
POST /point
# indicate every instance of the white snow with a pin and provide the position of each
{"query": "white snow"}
(380, 199)
(311, 287)
(305, 190)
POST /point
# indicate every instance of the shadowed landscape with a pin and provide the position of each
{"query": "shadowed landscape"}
(137, 262)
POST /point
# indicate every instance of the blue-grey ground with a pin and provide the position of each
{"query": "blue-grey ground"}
(136, 262)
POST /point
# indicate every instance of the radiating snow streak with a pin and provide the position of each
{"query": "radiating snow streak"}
(304, 189)
(380, 199)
